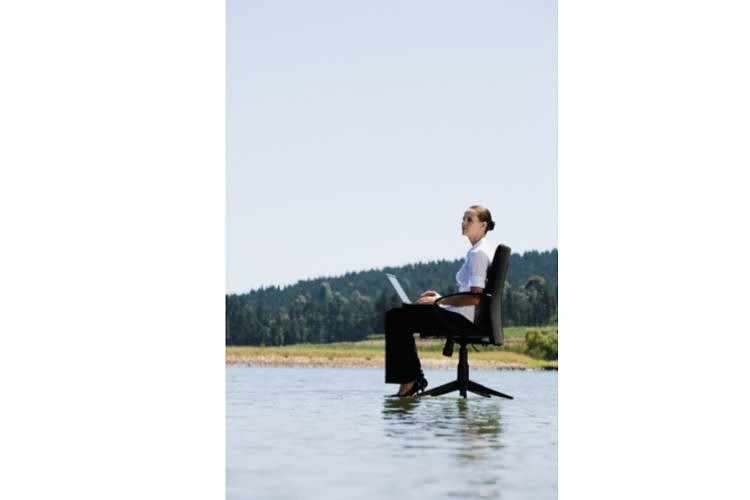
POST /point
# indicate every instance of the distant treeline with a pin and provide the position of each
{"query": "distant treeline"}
(351, 307)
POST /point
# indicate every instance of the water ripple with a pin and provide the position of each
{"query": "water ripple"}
(331, 431)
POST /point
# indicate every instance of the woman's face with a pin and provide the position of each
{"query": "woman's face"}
(471, 227)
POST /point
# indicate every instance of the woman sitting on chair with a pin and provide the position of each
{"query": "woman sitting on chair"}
(402, 364)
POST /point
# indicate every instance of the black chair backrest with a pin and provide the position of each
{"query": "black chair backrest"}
(489, 311)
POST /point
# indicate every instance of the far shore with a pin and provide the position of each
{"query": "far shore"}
(354, 362)
(309, 356)
(370, 354)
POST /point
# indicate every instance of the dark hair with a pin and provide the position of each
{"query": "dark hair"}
(484, 215)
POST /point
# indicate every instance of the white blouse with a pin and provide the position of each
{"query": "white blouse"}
(473, 273)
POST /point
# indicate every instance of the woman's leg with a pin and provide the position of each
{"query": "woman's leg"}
(401, 360)
(402, 363)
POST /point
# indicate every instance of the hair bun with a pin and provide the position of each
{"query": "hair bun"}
(491, 225)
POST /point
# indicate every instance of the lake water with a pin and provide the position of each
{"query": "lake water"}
(333, 433)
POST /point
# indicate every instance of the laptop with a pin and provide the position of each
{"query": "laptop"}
(399, 289)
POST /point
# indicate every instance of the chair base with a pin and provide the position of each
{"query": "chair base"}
(462, 382)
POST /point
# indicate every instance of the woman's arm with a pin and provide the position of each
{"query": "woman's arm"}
(430, 296)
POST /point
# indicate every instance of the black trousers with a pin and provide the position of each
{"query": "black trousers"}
(401, 359)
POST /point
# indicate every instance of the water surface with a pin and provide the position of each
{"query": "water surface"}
(296, 432)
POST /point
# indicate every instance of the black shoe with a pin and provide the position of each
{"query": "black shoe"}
(418, 387)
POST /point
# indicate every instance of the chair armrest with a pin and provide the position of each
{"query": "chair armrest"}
(476, 294)
(437, 305)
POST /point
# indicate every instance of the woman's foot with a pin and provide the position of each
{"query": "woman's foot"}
(413, 387)
(405, 389)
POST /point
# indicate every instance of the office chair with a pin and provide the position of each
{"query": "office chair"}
(487, 329)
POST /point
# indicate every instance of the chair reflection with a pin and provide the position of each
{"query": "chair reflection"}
(473, 424)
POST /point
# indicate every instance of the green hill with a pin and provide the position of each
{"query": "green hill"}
(351, 306)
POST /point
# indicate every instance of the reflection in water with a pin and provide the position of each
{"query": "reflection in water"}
(464, 432)
(395, 407)
(471, 426)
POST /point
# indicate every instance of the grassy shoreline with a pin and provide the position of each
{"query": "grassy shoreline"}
(370, 353)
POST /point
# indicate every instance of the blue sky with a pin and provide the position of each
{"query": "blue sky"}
(358, 132)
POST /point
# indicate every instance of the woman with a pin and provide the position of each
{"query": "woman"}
(402, 364)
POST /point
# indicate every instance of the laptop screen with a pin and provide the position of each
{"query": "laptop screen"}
(399, 289)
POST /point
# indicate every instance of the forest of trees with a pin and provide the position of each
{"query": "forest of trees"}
(351, 307)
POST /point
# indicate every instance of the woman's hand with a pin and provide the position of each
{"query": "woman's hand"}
(428, 297)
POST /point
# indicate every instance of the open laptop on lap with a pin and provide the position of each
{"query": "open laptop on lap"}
(399, 289)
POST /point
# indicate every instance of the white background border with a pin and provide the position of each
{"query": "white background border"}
(112, 261)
